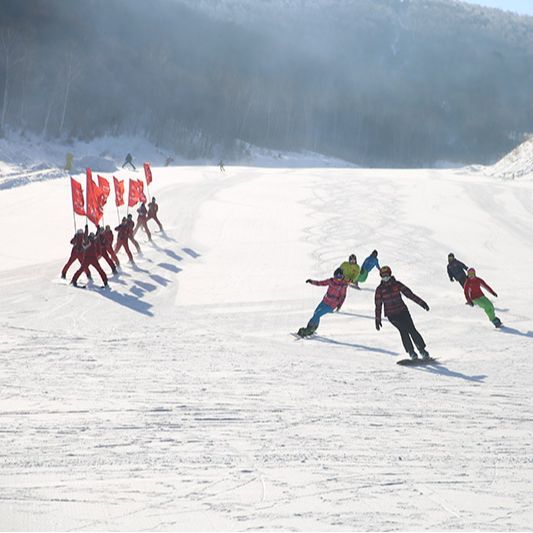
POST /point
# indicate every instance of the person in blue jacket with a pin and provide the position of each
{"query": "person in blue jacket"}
(368, 264)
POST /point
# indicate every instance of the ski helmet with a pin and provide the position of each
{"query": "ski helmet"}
(451, 256)
(374, 253)
(471, 272)
(352, 259)
(385, 271)
(338, 274)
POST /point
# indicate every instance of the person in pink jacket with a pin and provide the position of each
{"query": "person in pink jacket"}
(333, 299)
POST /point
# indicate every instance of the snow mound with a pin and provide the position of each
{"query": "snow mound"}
(516, 164)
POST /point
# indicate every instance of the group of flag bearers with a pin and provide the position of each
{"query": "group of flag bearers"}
(388, 296)
(89, 247)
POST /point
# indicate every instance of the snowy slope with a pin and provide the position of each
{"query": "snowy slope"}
(179, 401)
(516, 164)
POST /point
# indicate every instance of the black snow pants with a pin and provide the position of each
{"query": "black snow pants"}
(404, 323)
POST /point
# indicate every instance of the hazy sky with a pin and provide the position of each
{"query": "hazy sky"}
(524, 7)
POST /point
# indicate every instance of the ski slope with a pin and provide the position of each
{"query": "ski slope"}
(179, 401)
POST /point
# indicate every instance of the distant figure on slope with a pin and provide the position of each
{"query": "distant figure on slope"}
(91, 251)
(123, 231)
(221, 166)
(351, 271)
(456, 269)
(77, 251)
(389, 294)
(368, 264)
(153, 208)
(474, 295)
(68, 162)
(129, 161)
(141, 221)
(169, 160)
(333, 299)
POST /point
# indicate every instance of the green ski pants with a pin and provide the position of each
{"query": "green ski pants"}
(362, 276)
(487, 306)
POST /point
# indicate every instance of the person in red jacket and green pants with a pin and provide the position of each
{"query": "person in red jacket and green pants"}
(474, 295)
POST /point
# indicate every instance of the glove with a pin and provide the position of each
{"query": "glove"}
(308, 281)
(451, 280)
(378, 324)
(425, 306)
(496, 295)
(471, 304)
(339, 308)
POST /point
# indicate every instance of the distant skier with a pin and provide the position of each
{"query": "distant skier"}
(68, 162)
(141, 221)
(221, 166)
(456, 269)
(389, 295)
(169, 160)
(77, 251)
(131, 226)
(368, 264)
(129, 161)
(91, 251)
(152, 213)
(123, 231)
(474, 295)
(333, 299)
(351, 270)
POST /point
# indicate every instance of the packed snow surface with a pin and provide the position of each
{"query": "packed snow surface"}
(178, 400)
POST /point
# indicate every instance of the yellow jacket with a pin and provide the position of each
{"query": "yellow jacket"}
(350, 271)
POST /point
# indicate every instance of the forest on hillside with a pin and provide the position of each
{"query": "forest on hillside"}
(375, 82)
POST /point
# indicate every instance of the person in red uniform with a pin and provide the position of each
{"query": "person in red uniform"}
(91, 251)
(102, 249)
(333, 299)
(131, 226)
(152, 213)
(122, 238)
(76, 252)
(141, 221)
(108, 240)
(474, 295)
(389, 295)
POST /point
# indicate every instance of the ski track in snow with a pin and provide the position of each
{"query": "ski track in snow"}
(178, 400)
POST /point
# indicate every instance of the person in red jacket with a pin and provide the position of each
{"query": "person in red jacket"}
(76, 252)
(91, 251)
(131, 226)
(141, 221)
(152, 213)
(102, 249)
(123, 231)
(389, 295)
(474, 295)
(334, 298)
(108, 240)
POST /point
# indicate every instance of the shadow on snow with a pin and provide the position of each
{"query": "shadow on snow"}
(327, 340)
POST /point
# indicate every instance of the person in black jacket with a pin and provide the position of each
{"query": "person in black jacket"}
(456, 269)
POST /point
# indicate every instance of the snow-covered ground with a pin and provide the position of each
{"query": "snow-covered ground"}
(179, 401)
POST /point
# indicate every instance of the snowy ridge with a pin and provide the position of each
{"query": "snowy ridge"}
(516, 164)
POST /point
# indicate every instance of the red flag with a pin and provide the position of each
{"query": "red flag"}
(103, 184)
(142, 197)
(78, 204)
(148, 173)
(133, 196)
(95, 207)
(119, 191)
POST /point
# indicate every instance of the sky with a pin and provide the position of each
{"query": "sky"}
(524, 7)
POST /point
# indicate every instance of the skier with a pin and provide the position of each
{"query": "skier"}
(456, 269)
(351, 270)
(91, 250)
(141, 221)
(474, 295)
(68, 161)
(129, 161)
(389, 295)
(108, 240)
(102, 249)
(334, 298)
(368, 264)
(76, 252)
(131, 226)
(169, 160)
(221, 166)
(122, 238)
(152, 213)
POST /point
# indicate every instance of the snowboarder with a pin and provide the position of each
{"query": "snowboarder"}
(91, 251)
(368, 264)
(141, 221)
(389, 295)
(351, 270)
(129, 161)
(334, 298)
(131, 226)
(474, 295)
(456, 269)
(152, 213)
(122, 238)
(221, 166)
(76, 252)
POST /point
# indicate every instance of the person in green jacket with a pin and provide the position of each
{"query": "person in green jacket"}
(351, 270)
(68, 162)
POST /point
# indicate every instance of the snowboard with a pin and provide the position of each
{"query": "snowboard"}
(299, 337)
(417, 362)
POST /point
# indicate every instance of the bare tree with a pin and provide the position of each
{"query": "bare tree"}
(9, 43)
(73, 71)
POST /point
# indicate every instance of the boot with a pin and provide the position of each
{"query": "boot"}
(424, 353)
(413, 355)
